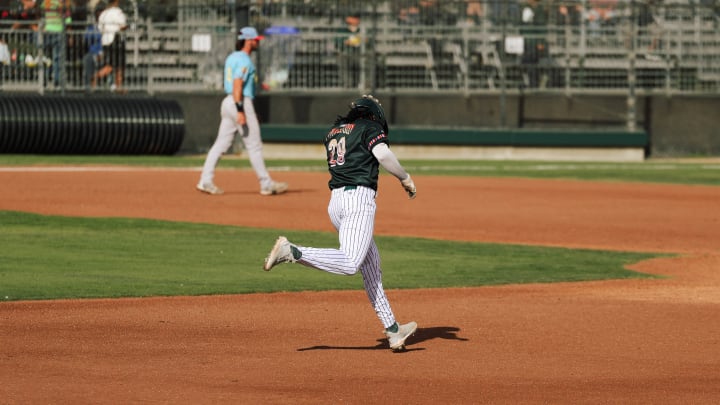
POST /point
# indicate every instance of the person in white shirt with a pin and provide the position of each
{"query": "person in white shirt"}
(4, 58)
(112, 22)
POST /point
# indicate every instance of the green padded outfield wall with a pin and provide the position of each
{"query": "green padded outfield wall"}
(666, 126)
(473, 137)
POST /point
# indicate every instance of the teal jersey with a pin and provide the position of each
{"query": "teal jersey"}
(349, 153)
(238, 65)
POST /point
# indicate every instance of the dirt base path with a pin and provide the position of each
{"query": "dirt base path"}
(628, 341)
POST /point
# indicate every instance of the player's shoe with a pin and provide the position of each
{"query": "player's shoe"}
(209, 188)
(276, 187)
(280, 253)
(397, 339)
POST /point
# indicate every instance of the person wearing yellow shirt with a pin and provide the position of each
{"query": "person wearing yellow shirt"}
(57, 16)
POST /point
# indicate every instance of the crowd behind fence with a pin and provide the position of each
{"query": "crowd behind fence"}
(660, 46)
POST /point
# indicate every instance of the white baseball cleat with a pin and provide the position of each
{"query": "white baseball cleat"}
(209, 188)
(277, 187)
(280, 253)
(397, 339)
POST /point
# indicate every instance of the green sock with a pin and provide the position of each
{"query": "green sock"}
(295, 252)
(393, 328)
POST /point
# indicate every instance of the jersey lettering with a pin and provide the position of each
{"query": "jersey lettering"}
(376, 139)
(345, 129)
(336, 152)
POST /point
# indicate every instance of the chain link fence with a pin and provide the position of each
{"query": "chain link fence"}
(582, 46)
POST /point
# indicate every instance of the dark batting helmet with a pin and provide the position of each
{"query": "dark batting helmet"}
(368, 106)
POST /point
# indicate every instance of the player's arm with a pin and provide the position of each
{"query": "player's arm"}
(389, 162)
(238, 97)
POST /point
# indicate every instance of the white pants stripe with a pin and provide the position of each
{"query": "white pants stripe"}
(352, 212)
(250, 135)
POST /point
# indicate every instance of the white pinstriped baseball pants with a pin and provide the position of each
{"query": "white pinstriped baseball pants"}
(352, 212)
(250, 135)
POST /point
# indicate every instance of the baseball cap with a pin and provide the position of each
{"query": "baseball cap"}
(249, 33)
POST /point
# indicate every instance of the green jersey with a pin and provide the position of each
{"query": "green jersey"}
(349, 153)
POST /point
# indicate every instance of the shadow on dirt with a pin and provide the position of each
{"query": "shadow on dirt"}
(421, 335)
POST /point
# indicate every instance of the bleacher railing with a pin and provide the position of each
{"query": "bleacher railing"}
(486, 46)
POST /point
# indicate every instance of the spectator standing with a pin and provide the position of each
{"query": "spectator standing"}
(408, 15)
(474, 13)
(433, 12)
(4, 48)
(566, 15)
(112, 22)
(28, 17)
(24, 41)
(600, 14)
(4, 58)
(57, 15)
(237, 115)
(569, 13)
(93, 56)
(500, 11)
(348, 45)
(649, 29)
(4, 52)
(535, 46)
(430, 12)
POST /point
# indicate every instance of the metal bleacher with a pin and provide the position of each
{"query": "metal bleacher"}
(405, 63)
(160, 58)
(314, 63)
(473, 58)
(680, 54)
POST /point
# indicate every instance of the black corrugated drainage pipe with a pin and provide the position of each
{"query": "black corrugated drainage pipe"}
(93, 124)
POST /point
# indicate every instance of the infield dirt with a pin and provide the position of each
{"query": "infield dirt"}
(619, 341)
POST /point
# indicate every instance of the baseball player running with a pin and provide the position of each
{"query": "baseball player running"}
(238, 116)
(356, 145)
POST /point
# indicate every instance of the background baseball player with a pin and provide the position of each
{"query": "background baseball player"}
(238, 116)
(356, 146)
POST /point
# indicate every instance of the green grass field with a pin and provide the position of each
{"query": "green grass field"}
(51, 257)
(662, 171)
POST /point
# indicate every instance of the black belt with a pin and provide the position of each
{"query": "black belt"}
(347, 188)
